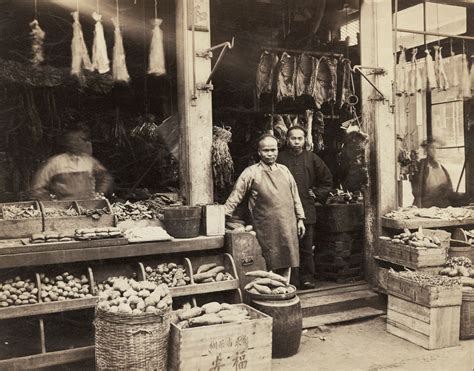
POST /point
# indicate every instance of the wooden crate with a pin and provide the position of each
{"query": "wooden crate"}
(68, 224)
(245, 345)
(19, 228)
(467, 315)
(431, 328)
(429, 296)
(340, 217)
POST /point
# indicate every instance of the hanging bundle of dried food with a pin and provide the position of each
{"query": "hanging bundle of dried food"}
(222, 163)
(441, 77)
(319, 128)
(430, 71)
(465, 87)
(304, 74)
(286, 77)
(402, 72)
(80, 55)
(156, 63)
(37, 36)
(265, 72)
(119, 66)
(100, 60)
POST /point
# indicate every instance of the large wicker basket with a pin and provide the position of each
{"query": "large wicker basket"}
(131, 342)
(467, 316)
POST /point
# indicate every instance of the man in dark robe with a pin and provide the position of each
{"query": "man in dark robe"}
(314, 181)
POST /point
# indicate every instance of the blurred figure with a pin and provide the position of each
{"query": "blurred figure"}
(73, 174)
(432, 184)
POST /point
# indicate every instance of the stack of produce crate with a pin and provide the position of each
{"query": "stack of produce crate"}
(424, 309)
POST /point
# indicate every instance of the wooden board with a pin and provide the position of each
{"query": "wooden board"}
(110, 252)
(429, 296)
(37, 361)
(241, 345)
(424, 222)
(431, 328)
(54, 246)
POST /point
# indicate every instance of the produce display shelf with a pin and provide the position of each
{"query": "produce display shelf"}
(110, 252)
(204, 288)
(47, 308)
(424, 222)
(47, 359)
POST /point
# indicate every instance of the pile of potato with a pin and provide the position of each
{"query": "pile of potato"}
(171, 274)
(207, 273)
(416, 239)
(64, 287)
(268, 283)
(213, 313)
(460, 267)
(128, 296)
(18, 292)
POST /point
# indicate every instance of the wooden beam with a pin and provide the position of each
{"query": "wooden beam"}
(194, 105)
(376, 50)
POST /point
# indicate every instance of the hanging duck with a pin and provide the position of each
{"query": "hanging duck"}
(402, 73)
(100, 60)
(441, 78)
(430, 71)
(415, 75)
(465, 87)
(454, 69)
(119, 66)
(80, 55)
(156, 64)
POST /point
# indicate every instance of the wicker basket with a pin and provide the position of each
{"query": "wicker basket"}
(131, 342)
(467, 316)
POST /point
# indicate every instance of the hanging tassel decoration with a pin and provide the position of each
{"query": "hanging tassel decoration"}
(430, 71)
(401, 72)
(80, 55)
(119, 67)
(37, 35)
(465, 87)
(156, 63)
(100, 60)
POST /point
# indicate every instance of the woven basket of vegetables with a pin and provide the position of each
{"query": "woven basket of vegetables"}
(132, 326)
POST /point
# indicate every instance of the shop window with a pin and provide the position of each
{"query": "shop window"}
(350, 30)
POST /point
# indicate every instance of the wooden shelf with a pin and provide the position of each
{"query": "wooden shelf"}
(424, 222)
(48, 359)
(202, 288)
(110, 252)
(47, 308)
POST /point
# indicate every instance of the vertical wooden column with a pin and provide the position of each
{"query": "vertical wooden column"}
(194, 105)
(376, 50)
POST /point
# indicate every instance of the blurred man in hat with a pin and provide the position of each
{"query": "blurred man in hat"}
(73, 174)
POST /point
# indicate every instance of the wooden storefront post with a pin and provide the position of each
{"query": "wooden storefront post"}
(376, 50)
(194, 105)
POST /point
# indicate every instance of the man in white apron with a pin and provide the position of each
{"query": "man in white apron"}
(274, 204)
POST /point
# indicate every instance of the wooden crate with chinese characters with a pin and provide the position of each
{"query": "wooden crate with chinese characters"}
(245, 345)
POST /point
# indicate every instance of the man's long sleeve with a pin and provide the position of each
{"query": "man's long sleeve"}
(241, 188)
(323, 178)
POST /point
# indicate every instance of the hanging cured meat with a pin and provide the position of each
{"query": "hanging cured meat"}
(37, 36)
(304, 75)
(346, 82)
(319, 130)
(322, 82)
(156, 65)
(465, 86)
(119, 66)
(430, 71)
(402, 72)
(100, 60)
(265, 72)
(80, 55)
(309, 130)
(286, 77)
(332, 62)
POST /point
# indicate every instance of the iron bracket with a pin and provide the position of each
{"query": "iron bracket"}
(208, 55)
(373, 71)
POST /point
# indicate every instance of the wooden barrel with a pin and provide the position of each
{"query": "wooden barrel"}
(182, 221)
(287, 325)
(460, 248)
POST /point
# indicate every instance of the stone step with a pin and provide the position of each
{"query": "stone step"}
(344, 316)
(342, 300)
